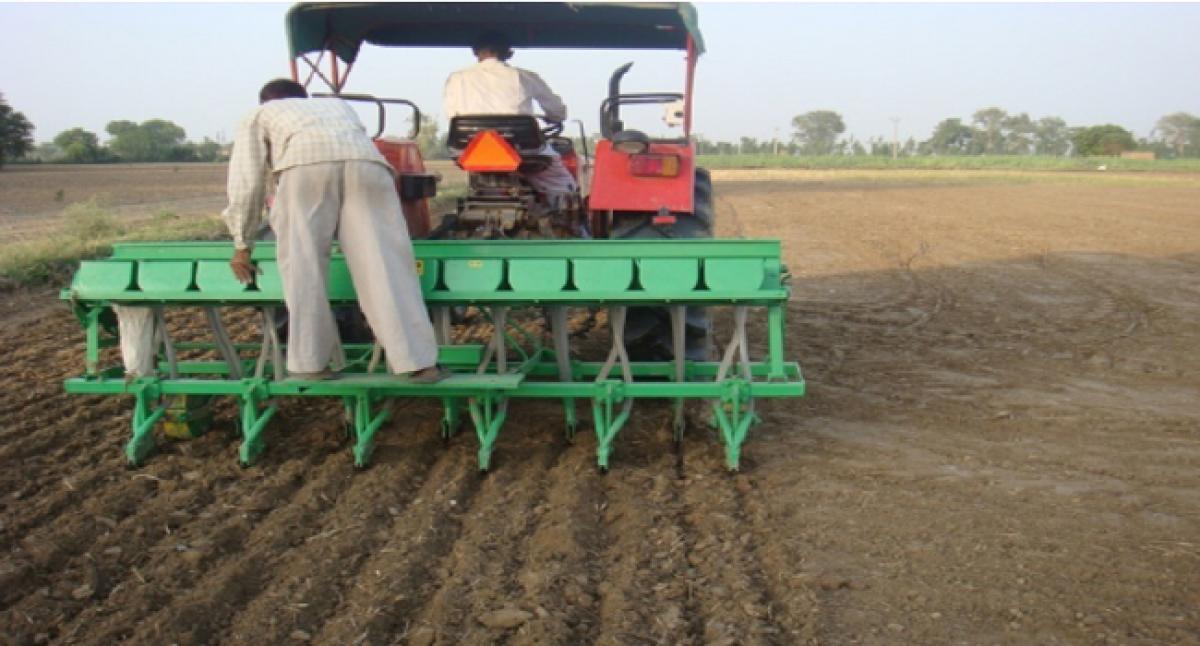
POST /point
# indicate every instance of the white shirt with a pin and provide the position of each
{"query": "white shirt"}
(279, 135)
(494, 87)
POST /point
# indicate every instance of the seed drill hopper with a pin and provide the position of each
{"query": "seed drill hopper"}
(673, 277)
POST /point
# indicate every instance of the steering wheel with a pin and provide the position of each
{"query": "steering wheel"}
(553, 128)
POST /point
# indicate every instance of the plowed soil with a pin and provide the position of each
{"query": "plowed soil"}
(1001, 445)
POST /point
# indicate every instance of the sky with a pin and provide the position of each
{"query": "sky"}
(200, 65)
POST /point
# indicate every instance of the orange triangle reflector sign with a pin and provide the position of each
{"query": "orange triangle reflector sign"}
(488, 152)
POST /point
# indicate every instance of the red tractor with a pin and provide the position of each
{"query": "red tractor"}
(640, 187)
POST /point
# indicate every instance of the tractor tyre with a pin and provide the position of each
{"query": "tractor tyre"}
(648, 329)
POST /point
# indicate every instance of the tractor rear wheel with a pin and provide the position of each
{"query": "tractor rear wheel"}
(648, 329)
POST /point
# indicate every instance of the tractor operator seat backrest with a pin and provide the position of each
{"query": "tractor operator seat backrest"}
(521, 131)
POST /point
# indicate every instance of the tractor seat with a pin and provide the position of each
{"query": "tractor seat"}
(521, 131)
(562, 145)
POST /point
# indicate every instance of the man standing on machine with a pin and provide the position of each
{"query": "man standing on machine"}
(332, 182)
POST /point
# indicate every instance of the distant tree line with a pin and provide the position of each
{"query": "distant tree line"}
(990, 131)
(156, 140)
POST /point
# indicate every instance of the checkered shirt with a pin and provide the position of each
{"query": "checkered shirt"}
(279, 135)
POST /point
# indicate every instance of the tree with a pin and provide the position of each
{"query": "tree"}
(749, 145)
(16, 133)
(816, 132)
(207, 151)
(431, 145)
(1180, 131)
(1018, 134)
(951, 137)
(1051, 136)
(880, 147)
(78, 146)
(990, 121)
(152, 141)
(1107, 139)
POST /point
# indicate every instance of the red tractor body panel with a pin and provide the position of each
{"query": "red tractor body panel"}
(405, 158)
(616, 188)
(571, 161)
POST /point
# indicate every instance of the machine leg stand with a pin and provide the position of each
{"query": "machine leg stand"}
(488, 413)
(254, 422)
(366, 424)
(145, 416)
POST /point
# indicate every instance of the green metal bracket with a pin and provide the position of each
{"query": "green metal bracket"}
(254, 418)
(147, 410)
(92, 329)
(605, 419)
(734, 416)
(488, 412)
(366, 425)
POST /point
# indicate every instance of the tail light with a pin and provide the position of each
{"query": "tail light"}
(488, 152)
(654, 165)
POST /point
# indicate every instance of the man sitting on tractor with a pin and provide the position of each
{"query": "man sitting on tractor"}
(492, 86)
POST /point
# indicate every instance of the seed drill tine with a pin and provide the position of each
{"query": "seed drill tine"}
(376, 355)
(679, 349)
(562, 355)
(224, 345)
(605, 422)
(160, 323)
(451, 416)
(260, 365)
(145, 416)
(735, 410)
(366, 424)
(489, 411)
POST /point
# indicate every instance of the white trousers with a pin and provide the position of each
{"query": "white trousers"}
(356, 202)
(555, 179)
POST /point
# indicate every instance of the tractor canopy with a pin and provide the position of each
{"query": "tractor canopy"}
(343, 27)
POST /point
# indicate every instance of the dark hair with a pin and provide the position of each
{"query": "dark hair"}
(281, 89)
(495, 42)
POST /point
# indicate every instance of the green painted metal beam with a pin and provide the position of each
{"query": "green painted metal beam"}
(513, 272)
(441, 249)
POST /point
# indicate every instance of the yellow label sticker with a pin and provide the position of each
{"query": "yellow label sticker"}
(475, 264)
(420, 267)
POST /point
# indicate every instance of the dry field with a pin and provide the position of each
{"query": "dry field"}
(1001, 445)
(31, 197)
